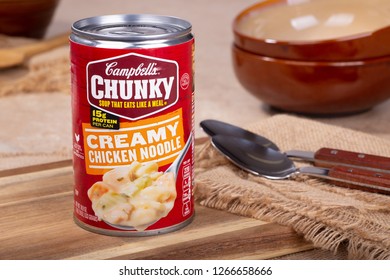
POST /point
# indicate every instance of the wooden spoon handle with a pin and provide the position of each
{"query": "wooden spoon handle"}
(327, 157)
(361, 179)
(42, 46)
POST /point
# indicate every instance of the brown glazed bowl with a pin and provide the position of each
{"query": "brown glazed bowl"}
(26, 18)
(316, 88)
(317, 30)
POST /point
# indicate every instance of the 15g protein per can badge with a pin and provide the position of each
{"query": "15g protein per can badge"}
(133, 123)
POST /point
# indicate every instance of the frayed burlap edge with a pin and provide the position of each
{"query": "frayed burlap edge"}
(320, 234)
(363, 227)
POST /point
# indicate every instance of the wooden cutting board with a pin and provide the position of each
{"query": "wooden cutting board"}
(36, 206)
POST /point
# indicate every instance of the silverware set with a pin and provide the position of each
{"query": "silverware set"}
(260, 156)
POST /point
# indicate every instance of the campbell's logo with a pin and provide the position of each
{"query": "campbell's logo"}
(132, 81)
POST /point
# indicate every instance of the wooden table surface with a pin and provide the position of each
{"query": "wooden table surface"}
(37, 223)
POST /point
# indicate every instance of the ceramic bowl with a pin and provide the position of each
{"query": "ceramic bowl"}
(26, 18)
(317, 30)
(315, 88)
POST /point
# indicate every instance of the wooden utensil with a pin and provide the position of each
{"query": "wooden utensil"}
(15, 56)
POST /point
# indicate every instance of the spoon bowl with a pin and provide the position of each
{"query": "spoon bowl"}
(254, 158)
(215, 127)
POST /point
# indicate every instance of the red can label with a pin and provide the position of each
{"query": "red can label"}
(133, 115)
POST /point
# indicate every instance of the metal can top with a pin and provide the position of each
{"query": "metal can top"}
(131, 28)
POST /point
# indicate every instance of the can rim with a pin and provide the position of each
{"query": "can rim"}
(169, 27)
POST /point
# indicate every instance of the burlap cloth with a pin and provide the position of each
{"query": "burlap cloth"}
(35, 108)
(327, 215)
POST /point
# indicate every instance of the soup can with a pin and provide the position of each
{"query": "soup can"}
(133, 123)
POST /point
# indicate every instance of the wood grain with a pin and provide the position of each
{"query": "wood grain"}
(364, 179)
(37, 223)
(328, 157)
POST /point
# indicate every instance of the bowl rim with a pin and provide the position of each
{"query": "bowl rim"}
(324, 63)
(30, 3)
(267, 3)
(353, 47)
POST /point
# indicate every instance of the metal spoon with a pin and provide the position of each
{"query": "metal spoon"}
(271, 164)
(174, 167)
(214, 127)
(325, 157)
